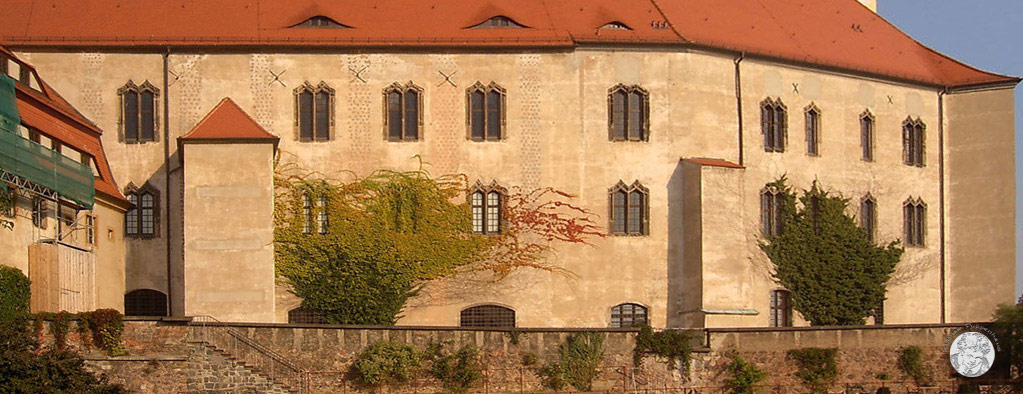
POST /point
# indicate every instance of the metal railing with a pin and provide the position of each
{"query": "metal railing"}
(212, 332)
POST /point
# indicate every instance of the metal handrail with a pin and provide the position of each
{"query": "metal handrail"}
(261, 350)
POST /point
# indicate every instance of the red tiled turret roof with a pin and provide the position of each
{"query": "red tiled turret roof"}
(839, 34)
(228, 122)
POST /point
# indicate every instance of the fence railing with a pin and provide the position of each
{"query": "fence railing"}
(210, 331)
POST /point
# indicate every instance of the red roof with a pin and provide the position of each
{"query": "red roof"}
(706, 161)
(840, 34)
(51, 114)
(228, 122)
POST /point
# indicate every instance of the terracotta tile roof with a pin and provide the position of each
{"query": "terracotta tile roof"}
(839, 34)
(51, 114)
(228, 122)
(706, 161)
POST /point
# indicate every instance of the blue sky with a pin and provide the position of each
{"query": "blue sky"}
(983, 33)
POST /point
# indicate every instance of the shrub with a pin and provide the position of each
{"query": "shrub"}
(458, 371)
(60, 326)
(911, 363)
(106, 326)
(673, 345)
(387, 362)
(817, 367)
(14, 286)
(1009, 328)
(744, 376)
(579, 362)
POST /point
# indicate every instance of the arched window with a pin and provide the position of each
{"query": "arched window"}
(772, 203)
(629, 110)
(867, 135)
(145, 302)
(868, 215)
(140, 221)
(403, 116)
(614, 26)
(486, 203)
(498, 22)
(314, 111)
(914, 221)
(628, 315)
(630, 211)
(138, 112)
(303, 315)
(486, 112)
(813, 130)
(321, 22)
(913, 142)
(487, 316)
(774, 124)
(781, 309)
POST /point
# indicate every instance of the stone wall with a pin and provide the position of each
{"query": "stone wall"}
(181, 356)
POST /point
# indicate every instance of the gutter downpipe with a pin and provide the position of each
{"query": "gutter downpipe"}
(941, 195)
(738, 101)
(166, 179)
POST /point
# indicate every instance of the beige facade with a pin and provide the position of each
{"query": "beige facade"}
(698, 266)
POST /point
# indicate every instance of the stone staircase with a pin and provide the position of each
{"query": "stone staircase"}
(214, 370)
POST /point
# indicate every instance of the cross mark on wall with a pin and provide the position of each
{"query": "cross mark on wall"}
(890, 100)
(358, 73)
(795, 88)
(175, 75)
(447, 78)
(277, 77)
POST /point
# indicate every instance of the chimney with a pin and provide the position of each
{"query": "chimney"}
(872, 4)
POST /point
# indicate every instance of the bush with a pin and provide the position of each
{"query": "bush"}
(14, 286)
(911, 363)
(25, 368)
(744, 376)
(1009, 328)
(673, 345)
(579, 362)
(106, 326)
(458, 371)
(387, 362)
(817, 367)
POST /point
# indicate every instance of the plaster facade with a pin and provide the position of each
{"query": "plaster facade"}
(701, 252)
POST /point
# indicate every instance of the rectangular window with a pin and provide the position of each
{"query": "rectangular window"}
(90, 229)
(477, 212)
(322, 116)
(635, 217)
(618, 115)
(411, 108)
(494, 116)
(477, 117)
(868, 218)
(493, 213)
(131, 218)
(618, 212)
(307, 214)
(323, 218)
(305, 116)
(147, 212)
(771, 208)
(39, 212)
(131, 117)
(148, 120)
(879, 314)
(781, 309)
(867, 138)
(394, 116)
(635, 116)
(812, 133)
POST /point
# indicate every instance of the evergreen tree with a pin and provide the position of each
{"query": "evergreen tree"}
(837, 276)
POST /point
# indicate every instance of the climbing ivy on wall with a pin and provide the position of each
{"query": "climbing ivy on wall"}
(837, 276)
(6, 203)
(390, 232)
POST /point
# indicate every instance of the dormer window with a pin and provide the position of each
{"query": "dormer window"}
(321, 22)
(499, 22)
(615, 26)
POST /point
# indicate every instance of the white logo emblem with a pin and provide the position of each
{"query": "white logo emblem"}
(972, 354)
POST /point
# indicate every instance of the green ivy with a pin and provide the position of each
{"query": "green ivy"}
(837, 276)
(816, 367)
(458, 371)
(579, 362)
(387, 362)
(106, 326)
(744, 376)
(676, 346)
(15, 288)
(911, 363)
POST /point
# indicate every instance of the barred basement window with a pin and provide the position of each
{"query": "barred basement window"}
(141, 219)
(302, 315)
(629, 113)
(485, 203)
(813, 130)
(868, 215)
(629, 206)
(487, 316)
(314, 111)
(138, 112)
(145, 302)
(772, 203)
(867, 135)
(774, 124)
(485, 115)
(913, 142)
(628, 315)
(781, 309)
(914, 221)
(403, 117)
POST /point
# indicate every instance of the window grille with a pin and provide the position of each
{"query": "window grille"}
(487, 316)
(141, 219)
(774, 121)
(868, 216)
(913, 142)
(145, 302)
(781, 309)
(303, 315)
(138, 112)
(403, 115)
(486, 112)
(485, 205)
(915, 220)
(314, 113)
(629, 113)
(307, 214)
(324, 220)
(629, 209)
(813, 126)
(772, 204)
(628, 315)
(867, 136)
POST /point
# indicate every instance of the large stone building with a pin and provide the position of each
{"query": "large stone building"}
(685, 109)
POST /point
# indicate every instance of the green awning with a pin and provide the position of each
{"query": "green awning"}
(9, 118)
